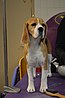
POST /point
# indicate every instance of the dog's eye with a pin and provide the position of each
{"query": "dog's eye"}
(43, 25)
(33, 24)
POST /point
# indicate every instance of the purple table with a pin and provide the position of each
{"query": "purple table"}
(56, 82)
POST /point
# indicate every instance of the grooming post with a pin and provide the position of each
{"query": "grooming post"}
(5, 43)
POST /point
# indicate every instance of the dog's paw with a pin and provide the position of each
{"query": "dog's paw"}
(31, 89)
(49, 74)
(42, 89)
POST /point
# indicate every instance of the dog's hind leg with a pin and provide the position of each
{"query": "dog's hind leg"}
(49, 50)
(31, 87)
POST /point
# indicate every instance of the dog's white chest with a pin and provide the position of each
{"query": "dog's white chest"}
(35, 57)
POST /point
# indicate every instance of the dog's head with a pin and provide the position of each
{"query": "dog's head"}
(35, 27)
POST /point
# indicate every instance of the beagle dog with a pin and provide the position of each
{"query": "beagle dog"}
(37, 51)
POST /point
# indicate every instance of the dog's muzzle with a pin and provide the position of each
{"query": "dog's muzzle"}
(40, 29)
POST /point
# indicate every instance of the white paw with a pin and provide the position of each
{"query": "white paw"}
(31, 88)
(43, 89)
(49, 74)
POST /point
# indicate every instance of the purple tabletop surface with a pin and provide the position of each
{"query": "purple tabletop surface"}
(55, 82)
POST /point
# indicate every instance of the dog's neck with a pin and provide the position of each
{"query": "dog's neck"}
(34, 42)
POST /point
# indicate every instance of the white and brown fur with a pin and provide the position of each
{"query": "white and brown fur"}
(37, 51)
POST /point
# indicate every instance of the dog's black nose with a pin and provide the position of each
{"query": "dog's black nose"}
(40, 29)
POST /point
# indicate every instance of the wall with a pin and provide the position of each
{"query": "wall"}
(18, 11)
(47, 8)
(1, 49)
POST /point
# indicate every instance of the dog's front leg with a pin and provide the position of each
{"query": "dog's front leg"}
(34, 72)
(43, 85)
(49, 65)
(31, 87)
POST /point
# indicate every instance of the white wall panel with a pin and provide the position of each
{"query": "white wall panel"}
(47, 8)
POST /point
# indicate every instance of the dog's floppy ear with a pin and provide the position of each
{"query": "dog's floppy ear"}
(46, 30)
(25, 35)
